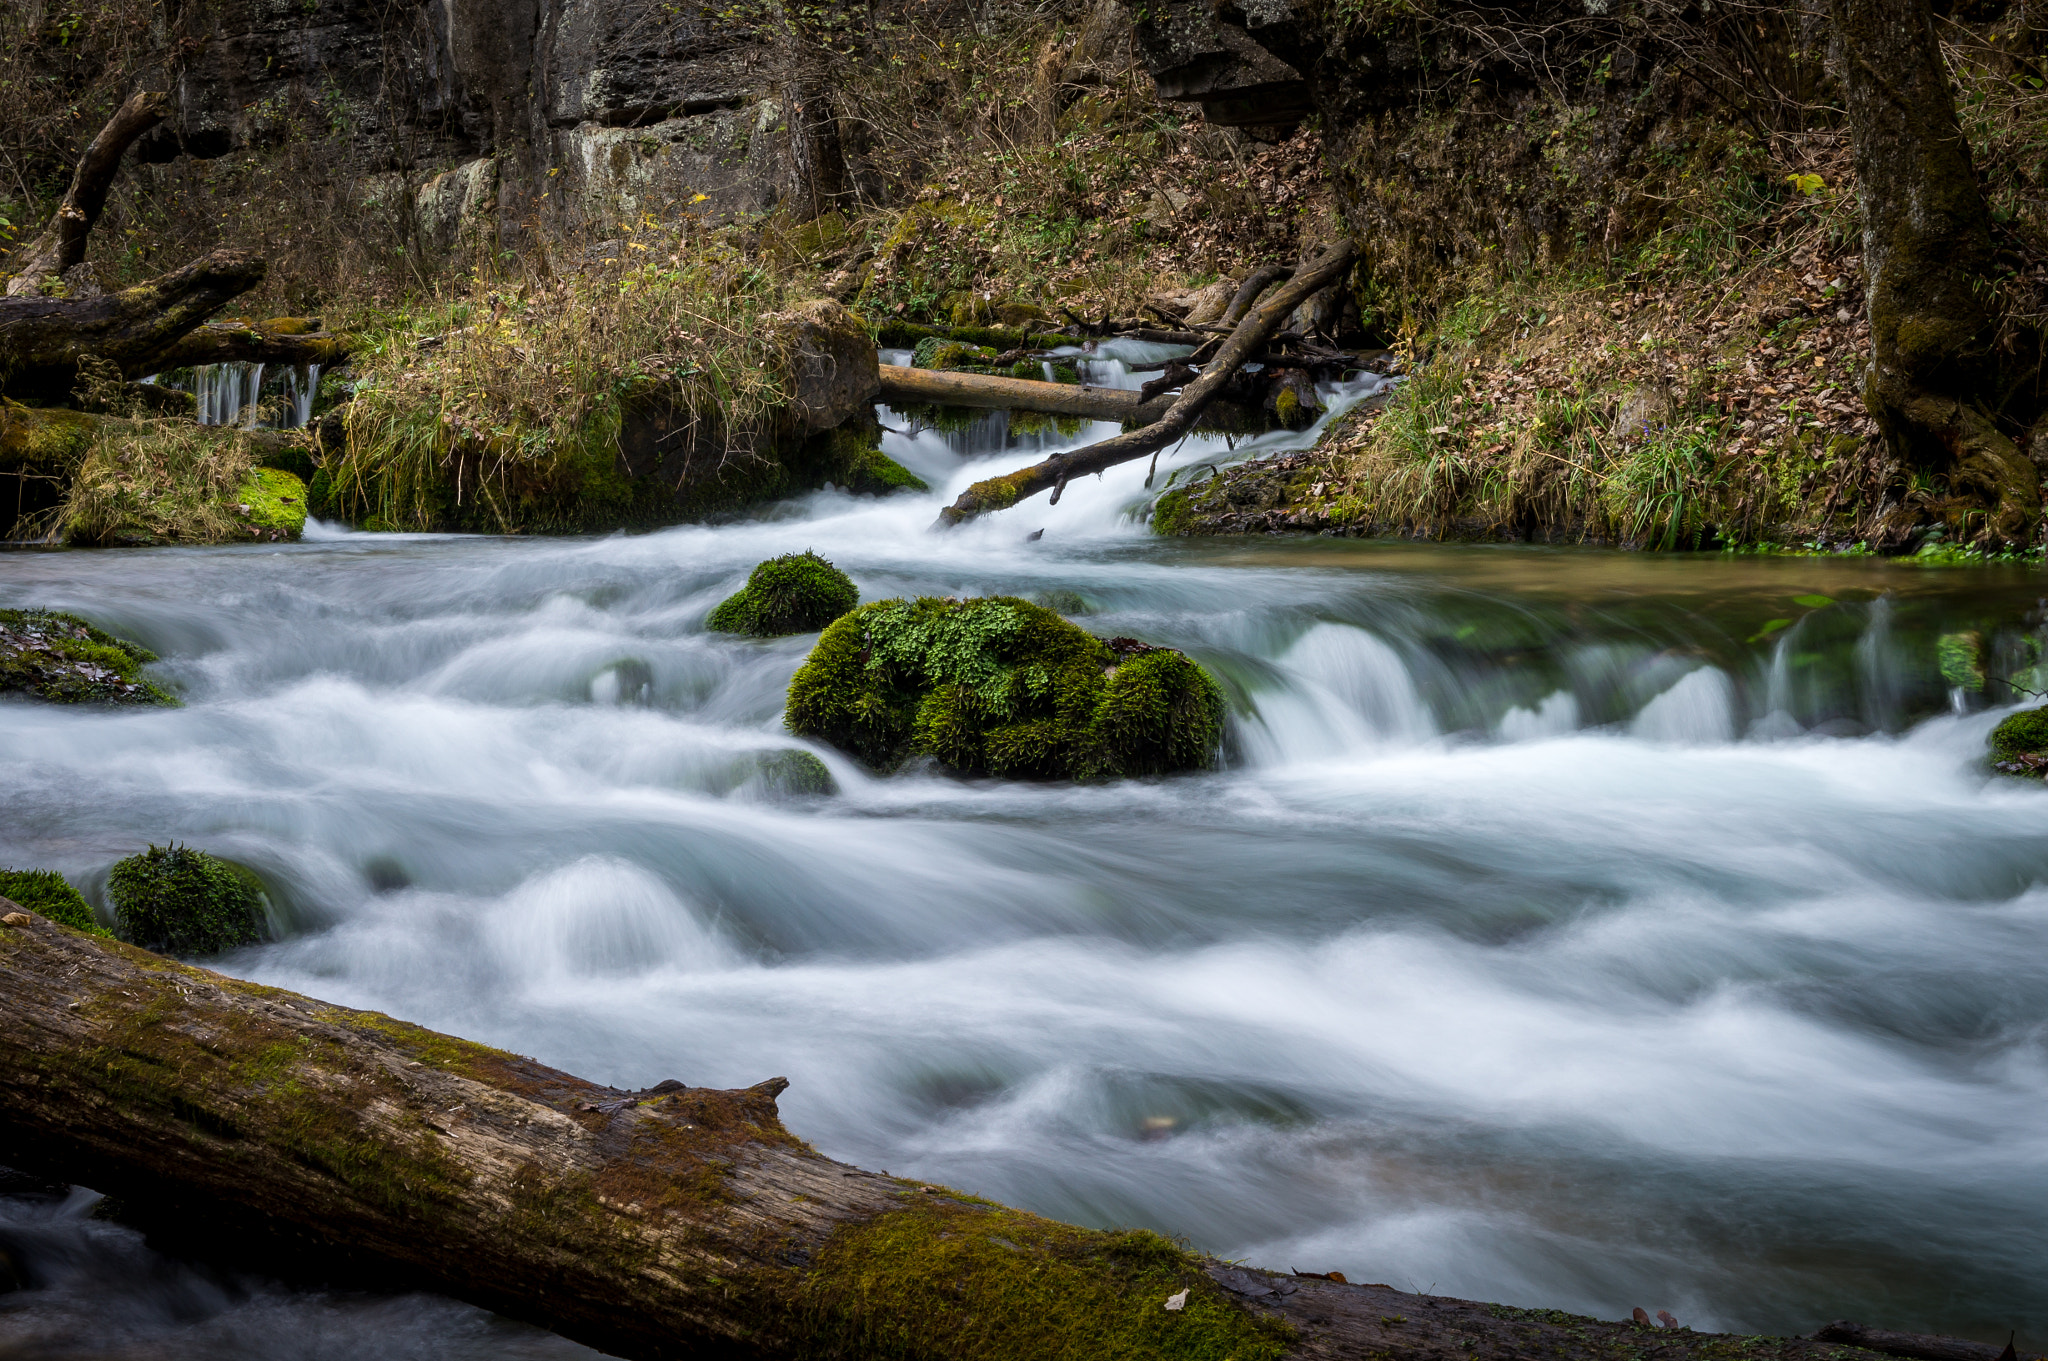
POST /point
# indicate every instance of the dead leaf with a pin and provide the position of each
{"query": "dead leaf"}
(1177, 1302)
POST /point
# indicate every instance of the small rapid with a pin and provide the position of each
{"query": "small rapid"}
(1570, 929)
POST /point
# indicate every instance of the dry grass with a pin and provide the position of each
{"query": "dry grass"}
(165, 481)
(502, 392)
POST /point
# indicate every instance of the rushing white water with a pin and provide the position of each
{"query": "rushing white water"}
(1543, 941)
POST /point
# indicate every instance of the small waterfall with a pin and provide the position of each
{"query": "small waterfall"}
(232, 393)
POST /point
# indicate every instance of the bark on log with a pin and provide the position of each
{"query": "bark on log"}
(1248, 292)
(668, 1222)
(1250, 337)
(1919, 1345)
(279, 340)
(902, 385)
(42, 339)
(62, 243)
(1935, 378)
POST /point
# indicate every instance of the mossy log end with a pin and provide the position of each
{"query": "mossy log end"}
(668, 1222)
(42, 339)
(1247, 340)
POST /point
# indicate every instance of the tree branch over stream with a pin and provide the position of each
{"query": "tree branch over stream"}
(1246, 341)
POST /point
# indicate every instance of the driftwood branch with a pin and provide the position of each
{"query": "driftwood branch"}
(42, 339)
(667, 1222)
(1247, 340)
(61, 244)
(902, 386)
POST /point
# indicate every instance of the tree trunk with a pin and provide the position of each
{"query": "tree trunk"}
(1250, 337)
(42, 339)
(902, 385)
(62, 243)
(669, 1222)
(1934, 385)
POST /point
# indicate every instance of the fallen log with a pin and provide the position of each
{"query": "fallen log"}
(667, 1222)
(1921, 1346)
(42, 339)
(902, 385)
(1250, 337)
(279, 340)
(61, 244)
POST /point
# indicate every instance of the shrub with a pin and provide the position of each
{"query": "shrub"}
(1001, 686)
(49, 893)
(795, 593)
(181, 901)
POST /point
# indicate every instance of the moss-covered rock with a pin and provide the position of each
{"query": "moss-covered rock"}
(2019, 745)
(277, 503)
(63, 659)
(795, 593)
(1000, 686)
(935, 353)
(49, 893)
(177, 900)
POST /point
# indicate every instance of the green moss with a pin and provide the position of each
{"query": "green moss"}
(875, 473)
(181, 901)
(795, 593)
(1171, 513)
(935, 353)
(63, 659)
(947, 1277)
(276, 500)
(49, 893)
(1000, 686)
(2021, 734)
(796, 773)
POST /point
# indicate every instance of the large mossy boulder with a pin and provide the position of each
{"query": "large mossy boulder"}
(2019, 745)
(1000, 686)
(63, 659)
(795, 593)
(181, 901)
(49, 894)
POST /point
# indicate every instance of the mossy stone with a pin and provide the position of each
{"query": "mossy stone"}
(795, 593)
(796, 774)
(63, 659)
(50, 894)
(1000, 686)
(2021, 734)
(178, 900)
(935, 353)
(276, 500)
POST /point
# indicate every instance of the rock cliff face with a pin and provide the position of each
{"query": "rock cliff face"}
(495, 113)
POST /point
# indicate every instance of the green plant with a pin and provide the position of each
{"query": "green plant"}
(49, 893)
(795, 593)
(179, 900)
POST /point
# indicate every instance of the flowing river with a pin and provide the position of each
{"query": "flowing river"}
(1566, 928)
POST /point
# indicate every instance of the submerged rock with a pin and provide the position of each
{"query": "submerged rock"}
(795, 593)
(177, 900)
(50, 894)
(1000, 686)
(63, 659)
(2019, 745)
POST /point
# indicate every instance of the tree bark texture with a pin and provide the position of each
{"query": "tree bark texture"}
(62, 243)
(42, 339)
(901, 385)
(1248, 340)
(1935, 378)
(672, 1221)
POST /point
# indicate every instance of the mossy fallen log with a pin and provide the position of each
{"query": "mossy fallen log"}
(666, 1222)
(42, 339)
(278, 340)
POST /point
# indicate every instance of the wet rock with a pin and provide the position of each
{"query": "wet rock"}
(833, 369)
(63, 659)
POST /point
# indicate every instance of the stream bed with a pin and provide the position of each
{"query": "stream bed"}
(1565, 928)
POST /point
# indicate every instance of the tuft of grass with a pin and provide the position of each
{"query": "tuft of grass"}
(501, 403)
(175, 481)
